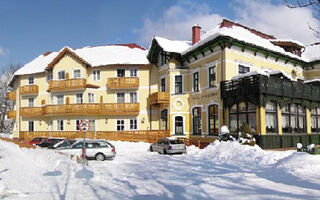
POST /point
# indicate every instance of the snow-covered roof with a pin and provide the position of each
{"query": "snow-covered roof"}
(311, 53)
(173, 46)
(95, 56)
(288, 40)
(241, 34)
(255, 72)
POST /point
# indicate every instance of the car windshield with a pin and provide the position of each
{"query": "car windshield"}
(176, 142)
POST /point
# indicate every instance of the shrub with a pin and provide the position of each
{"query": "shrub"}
(246, 135)
(224, 134)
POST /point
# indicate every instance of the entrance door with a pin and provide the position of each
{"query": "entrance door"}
(178, 125)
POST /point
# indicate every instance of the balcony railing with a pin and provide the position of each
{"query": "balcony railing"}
(29, 90)
(12, 96)
(31, 111)
(69, 84)
(12, 114)
(158, 98)
(134, 136)
(82, 109)
(123, 83)
(253, 87)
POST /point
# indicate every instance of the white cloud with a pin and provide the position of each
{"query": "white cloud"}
(177, 20)
(3, 52)
(273, 19)
(277, 20)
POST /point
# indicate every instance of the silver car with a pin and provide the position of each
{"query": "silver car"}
(168, 146)
(99, 149)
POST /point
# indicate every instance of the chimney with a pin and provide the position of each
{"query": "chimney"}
(195, 33)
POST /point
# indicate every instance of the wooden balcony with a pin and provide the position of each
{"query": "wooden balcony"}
(158, 98)
(29, 90)
(82, 109)
(31, 111)
(69, 84)
(12, 114)
(12, 96)
(123, 83)
(133, 136)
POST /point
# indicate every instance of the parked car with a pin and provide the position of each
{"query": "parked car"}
(168, 145)
(99, 149)
(36, 140)
(49, 142)
(64, 144)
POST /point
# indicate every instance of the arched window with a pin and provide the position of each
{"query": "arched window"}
(178, 125)
(213, 120)
(196, 119)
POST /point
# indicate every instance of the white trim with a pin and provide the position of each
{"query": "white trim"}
(123, 96)
(124, 124)
(94, 97)
(196, 70)
(29, 80)
(208, 77)
(134, 118)
(191, 111)
(182, 104)
(75, 70)
(92, 73)
(207, 116)
(174, 124)
(174, 84)
(136, 92)
(59, 124)
(76, 98)
(65, 74)
(125, 71)
(133, 68)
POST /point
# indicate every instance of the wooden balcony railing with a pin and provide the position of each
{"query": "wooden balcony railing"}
(123, 83)
(29, 90)
(158, 98)
(133, 136)
(82, 109)
(12, 114)
(69, 84)
(31, 111)
(12, 96)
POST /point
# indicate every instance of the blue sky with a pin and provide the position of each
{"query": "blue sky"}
(29, 28)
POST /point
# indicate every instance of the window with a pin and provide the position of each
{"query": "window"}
(78, 121)
(164, 119)
(61, 75)
(60, 99)
(79, 98)
(243, 69)
(49, 77)
(315, 120)
(120, 97)
(163, 85)
(212, 77)
(96, 75)
(178, 125)
(91, 98)
(271, 117)
(31, 102)
(240, 113)
(31, 80)
(60, 125)
(213, 120)
(133, 97)
(133, 72)
(293, 118)
(178, 84)
(92, 125)
(163, 58)
(121, 72)
(120, 124)
(196, 82)
(77, 73)
(133, 124)
(196, 114)
(31, 126)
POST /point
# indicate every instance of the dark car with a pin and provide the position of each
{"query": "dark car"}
(50, 142)
(169, 145)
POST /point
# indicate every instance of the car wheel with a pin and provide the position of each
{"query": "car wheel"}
(164, 151)
(100, 157)
(151, 149)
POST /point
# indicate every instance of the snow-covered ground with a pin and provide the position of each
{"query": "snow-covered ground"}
(221, 171)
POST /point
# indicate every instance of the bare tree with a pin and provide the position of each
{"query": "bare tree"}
(5, 104)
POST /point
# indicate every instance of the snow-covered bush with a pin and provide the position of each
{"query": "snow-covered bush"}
(224, 134)
(299, 147)
(246, 135)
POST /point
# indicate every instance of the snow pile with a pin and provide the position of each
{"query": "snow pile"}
(255, 72)
(175, 46)
(311, 52)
